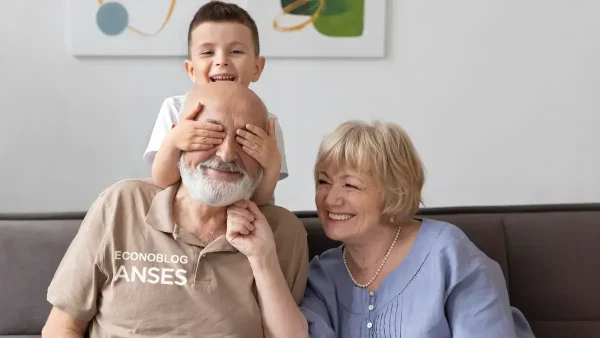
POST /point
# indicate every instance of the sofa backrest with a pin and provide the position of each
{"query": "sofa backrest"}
(550, 256)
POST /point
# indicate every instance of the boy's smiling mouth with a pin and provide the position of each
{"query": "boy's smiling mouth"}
(216, 78)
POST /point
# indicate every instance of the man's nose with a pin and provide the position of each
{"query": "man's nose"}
(227, 150)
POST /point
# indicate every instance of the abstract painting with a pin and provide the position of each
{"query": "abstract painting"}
(320, 28)
(287, 28)
(130, 27)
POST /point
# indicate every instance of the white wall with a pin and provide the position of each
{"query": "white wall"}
(500, 97)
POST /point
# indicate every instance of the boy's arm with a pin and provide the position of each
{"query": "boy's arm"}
(262, 146)
(264, 194)
(187, 135)
(164, 167)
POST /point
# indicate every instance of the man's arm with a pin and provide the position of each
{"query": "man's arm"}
(75, 289)
(61, 325)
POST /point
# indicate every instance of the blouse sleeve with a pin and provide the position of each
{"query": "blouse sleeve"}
(318, 300)
(477, 303)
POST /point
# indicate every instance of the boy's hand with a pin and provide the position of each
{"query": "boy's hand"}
(261, 145)
(190, 135)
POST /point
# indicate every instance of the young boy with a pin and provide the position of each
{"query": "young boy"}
(223, 45)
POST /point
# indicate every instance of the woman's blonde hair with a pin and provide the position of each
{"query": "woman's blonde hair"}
(384, 152)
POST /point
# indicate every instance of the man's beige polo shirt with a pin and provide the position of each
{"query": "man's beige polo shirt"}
(133, 272)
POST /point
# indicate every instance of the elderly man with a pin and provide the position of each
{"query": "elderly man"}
(184, 261)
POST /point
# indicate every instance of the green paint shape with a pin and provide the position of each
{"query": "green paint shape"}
(332, 7)
(335, 7)
(307, 9)
(350, 23)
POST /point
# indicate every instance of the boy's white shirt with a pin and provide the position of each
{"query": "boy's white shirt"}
(169, 114)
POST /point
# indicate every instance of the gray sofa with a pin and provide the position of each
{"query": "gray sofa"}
(550, 256)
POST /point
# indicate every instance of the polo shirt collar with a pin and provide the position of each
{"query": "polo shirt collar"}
(160, 214)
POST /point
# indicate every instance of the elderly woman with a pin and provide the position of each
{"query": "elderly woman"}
(395, 275)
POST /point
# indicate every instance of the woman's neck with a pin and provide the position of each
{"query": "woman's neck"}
(368, 254)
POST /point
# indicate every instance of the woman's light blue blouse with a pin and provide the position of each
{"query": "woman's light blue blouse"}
(444, 287)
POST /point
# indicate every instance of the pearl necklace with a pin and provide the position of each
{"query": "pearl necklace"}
(380, 266)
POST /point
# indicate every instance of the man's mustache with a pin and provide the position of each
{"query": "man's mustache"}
(217, 164)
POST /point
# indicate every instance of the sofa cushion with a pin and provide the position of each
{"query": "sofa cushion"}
(30, 252)
(554, 267)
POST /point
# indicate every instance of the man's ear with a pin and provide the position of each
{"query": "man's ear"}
(259, 67)
(189, 69)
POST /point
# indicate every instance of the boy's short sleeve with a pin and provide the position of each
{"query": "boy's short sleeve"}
(168, 114)
(281, 145)
(79, 278)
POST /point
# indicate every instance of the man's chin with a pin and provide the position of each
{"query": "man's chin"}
(218, 188)
(219, 194)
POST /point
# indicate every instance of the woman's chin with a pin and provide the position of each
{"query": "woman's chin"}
(337, 230)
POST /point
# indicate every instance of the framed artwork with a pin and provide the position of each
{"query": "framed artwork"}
(287, 28)
(130, 27)
(320, 28)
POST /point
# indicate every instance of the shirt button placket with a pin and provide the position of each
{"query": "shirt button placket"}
(370, 308)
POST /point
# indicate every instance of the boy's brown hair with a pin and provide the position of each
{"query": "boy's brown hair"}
(218, 11)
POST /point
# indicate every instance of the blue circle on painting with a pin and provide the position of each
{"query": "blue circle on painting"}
(112, 18)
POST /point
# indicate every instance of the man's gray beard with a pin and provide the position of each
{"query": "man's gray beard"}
(218, 193)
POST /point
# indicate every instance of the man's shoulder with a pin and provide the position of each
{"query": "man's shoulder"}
(130, 191)
(283, 220)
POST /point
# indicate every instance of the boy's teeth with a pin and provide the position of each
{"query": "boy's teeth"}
(339, 217)
(223, 78)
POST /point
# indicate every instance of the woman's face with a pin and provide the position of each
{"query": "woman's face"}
(348, 204)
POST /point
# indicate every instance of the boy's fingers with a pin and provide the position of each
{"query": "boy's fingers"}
(249, 136)
(208, 125)
(271, 127)
(209, 133)
(192, 114)
(256, 130)
(207, 140)
(250, 152)
(246, 143)
(200, 146)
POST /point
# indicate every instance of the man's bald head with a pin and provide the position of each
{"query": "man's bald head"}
(226, 99)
